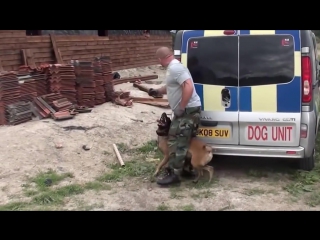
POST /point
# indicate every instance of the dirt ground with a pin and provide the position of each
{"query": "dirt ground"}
(35, 174)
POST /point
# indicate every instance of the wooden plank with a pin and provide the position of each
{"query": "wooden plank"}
(152, 101)
(113, 52)
(61, 38)
(11, 57)
(113, 55)
(135, 65)
(56, 50)
(18, 46)
(33, 39)
(45, 60)
(120, 60)
(30, 58)
(10, 68)
(12, 40)
(1, 67)
(43, 55)
(12, 35)
(110, 53)
(11, 63)
(107, 47)
(109, 42)
(134, 79)
(49, 62)
(9, 52)
(12, 31)
(43, 50)
(24, 57)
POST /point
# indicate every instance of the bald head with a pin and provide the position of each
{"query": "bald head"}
(165, 56)
(163, 52)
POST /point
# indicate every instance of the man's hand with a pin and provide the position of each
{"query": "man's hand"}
(153, 92)
(179, 111)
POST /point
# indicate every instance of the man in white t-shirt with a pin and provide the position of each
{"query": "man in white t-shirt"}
(186, 105)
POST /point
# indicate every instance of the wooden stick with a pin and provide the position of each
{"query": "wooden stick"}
(134, 79)
(56, 51)
(141, 87)
(146, 89)
(118, 155)
(156, 100)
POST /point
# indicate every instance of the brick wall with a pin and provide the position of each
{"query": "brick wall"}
(125, 51)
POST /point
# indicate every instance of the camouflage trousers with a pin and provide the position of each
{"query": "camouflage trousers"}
(182, 129)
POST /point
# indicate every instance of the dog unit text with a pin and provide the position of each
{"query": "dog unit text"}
(270, 133)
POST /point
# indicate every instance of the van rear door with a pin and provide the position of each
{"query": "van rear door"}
(269, 87)
(212, 59)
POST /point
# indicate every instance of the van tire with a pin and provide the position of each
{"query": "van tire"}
(307, 164)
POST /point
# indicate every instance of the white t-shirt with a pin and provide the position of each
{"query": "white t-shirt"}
(176, 75)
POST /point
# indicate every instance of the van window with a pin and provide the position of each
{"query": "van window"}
(266, 59)
(213, 60)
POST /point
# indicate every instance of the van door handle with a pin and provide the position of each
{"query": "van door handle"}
(209, 123)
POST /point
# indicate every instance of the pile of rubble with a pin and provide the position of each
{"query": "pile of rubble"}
(56, 106)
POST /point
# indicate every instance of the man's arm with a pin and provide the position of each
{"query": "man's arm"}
(162, 90)
(184, 79)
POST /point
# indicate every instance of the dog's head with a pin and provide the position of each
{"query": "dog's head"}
(163, 125)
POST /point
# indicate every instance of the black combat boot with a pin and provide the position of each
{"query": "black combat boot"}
(188, 174)
(169, 178)
(187, 170)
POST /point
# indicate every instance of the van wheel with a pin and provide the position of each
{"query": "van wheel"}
(307, 164)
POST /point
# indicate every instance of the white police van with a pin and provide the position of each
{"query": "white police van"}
(259, 90)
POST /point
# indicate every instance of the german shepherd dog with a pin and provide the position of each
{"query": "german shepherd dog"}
(199, 154)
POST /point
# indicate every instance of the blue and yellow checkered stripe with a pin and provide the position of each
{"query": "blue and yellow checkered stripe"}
(265, 98)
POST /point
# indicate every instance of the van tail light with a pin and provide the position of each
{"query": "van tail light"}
(306, 78)
(230, 32)
(304, 131)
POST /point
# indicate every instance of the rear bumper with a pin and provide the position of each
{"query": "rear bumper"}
(255, 151)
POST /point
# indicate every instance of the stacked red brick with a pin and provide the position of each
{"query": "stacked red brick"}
(2, 114)
(9, 93)
(19, 112)
(98, 78)
(40, 78)
(33, 82)
(10, 89)
(28, 89)
(57, 102)
(63, 81)
(54, 105)
(85, 84)
(106, 67)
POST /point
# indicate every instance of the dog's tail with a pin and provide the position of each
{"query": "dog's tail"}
(209, 154)
(207, 148)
